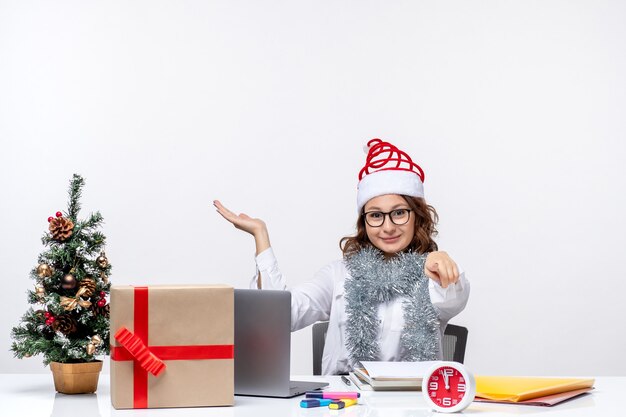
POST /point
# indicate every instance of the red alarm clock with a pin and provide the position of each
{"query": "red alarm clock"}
(448, 387)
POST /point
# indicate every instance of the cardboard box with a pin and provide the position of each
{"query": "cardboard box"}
(190, 329)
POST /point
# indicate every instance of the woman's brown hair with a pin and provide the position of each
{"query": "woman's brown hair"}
(425, 218)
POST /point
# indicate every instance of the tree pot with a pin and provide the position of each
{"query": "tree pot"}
(76, 378)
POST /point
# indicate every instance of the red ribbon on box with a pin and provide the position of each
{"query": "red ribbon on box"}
(150, 358)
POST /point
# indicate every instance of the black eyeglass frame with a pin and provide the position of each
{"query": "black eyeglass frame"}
(387, 214)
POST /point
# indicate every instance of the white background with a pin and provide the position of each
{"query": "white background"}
(515, 110)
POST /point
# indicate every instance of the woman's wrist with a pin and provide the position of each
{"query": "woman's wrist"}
(261, 240)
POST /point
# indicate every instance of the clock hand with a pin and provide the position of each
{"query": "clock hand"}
(445, 378)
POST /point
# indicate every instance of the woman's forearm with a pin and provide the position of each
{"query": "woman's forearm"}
(262, 242)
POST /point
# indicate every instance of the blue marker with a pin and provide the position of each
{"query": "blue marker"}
(311, 403)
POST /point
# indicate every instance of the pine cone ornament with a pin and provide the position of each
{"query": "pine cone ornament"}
(88, 285)
(100, 311)
(61, 228)
(65, 324)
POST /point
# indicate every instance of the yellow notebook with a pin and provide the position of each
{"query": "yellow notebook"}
(516, 388)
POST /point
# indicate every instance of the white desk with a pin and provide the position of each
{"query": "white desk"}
(25, 395)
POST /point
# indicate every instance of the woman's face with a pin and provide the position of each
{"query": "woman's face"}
(389, 237)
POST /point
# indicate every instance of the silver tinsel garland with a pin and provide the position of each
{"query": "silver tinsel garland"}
(374, 280)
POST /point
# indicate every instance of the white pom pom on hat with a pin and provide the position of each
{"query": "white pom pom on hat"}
(388, 170)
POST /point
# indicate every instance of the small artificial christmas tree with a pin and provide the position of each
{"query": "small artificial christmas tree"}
(71, 321)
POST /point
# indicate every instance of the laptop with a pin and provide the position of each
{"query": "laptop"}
(263, 345)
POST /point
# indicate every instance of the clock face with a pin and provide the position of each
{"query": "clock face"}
(446, 387)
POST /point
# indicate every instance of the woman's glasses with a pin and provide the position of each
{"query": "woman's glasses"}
(397, 217)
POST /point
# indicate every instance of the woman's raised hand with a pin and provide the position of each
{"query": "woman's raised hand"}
(256, 227)
(241, 221)
(441, 268)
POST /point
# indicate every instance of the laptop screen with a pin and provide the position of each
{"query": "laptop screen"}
(262, 342)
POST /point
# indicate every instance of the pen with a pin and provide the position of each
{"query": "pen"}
(332, 395)
(339, 404)
(346, 380)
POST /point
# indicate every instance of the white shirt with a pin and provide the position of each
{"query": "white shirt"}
(322, 299)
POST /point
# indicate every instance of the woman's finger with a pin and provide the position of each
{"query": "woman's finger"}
(432, 275)
(222, 209)
(443, 275)
(225, 213)
(455, 272)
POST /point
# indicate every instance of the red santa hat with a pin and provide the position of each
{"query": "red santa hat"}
(388, 170)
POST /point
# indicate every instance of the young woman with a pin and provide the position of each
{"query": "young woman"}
(392, 295)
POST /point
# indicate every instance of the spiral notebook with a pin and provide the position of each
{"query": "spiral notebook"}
(380, 375)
